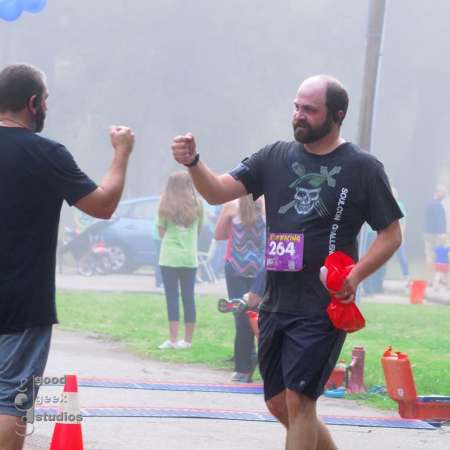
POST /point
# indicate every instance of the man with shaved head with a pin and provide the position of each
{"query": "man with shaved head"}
(318, 191)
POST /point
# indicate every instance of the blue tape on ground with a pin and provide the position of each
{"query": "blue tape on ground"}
(258, 416)
(381, 422)
(159, 386)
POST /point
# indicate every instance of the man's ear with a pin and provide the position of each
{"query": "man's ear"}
(33, 103)
(339, 116)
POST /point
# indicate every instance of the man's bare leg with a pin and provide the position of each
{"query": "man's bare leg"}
(278, 408)
(325, 441)
(305, 430)
(12, 433)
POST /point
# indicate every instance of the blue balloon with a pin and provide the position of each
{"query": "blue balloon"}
(33, 6)
(10, 10)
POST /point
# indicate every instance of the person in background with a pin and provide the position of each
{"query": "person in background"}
(435, 225)
(256, 292)
(216, 257)
(205, 242)
(441, 263)
(209, 224)
(179, 222)
(373, 284)
(157, 240)
(243, 225)
(401, 251)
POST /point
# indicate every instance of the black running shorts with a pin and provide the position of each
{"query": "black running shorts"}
(297, 352)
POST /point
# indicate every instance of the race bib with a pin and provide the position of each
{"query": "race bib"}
(284, 252)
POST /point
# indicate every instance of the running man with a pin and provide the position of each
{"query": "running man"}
(319, 190)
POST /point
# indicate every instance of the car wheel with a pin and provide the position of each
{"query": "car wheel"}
(86, 265)
(103, 266)
(119, 259)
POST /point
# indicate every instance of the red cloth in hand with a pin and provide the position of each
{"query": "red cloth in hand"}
(345, 316)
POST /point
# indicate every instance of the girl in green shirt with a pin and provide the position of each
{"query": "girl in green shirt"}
(179, 222)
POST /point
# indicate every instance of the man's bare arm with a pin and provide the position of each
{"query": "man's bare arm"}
(215, 189)
(102, 202)
(386, 243)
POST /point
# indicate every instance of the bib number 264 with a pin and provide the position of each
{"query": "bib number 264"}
(284, 252)
(280, 248)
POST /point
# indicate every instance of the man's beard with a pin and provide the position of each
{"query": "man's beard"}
(307, 135)
(39, 120)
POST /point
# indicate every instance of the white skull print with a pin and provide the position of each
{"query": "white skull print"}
(306, 199)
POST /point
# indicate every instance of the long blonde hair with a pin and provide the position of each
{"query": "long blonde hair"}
(249, 210)
(180, 203)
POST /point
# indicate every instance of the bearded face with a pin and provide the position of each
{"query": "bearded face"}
(305, 133)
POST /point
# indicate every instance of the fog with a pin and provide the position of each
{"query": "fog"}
(228, 72)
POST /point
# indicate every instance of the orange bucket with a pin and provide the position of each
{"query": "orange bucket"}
(417, 291)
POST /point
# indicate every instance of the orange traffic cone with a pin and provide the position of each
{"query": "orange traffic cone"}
(67, 434)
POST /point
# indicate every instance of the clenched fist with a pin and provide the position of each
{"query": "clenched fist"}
(122, 138)
(184, 148)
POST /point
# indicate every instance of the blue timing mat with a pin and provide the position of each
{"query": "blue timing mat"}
(251, 388)
(254, 416)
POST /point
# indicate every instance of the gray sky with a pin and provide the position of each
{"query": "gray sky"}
(228, 71)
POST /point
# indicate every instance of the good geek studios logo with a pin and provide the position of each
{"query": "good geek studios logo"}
(26, 401)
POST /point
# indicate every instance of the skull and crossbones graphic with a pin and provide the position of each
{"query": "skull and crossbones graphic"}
(308, 188)
(306, 199)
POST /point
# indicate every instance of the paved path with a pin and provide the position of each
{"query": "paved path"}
(90, 355)
(143, 281)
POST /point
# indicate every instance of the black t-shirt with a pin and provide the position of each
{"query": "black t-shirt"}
(325, 197)
(36, 175)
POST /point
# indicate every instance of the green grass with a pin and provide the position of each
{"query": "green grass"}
(140, 321)
(420, 331)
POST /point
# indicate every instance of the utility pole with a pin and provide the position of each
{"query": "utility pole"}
(373, 46)
(369, 88)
